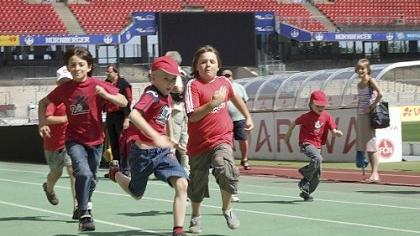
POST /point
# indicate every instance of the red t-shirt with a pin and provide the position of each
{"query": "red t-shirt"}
(57, 131)
(216, 127)
(156, 110)
(83, 108)
(314, 128)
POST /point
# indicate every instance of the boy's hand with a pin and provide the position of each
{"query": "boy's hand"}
(338, 133)
(287, 138)
(100, 90)
(44, 131)
(249, 125)
(219, 96)
(163, 141)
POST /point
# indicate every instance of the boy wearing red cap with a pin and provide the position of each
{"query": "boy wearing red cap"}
(314, 127)
(151, 152)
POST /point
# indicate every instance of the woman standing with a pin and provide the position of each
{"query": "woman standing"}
(369, 95)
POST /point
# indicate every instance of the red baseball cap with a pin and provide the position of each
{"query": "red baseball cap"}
(319, 98)
(166, 64)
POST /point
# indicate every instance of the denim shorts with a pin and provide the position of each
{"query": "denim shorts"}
(160, 161)
(239, 132)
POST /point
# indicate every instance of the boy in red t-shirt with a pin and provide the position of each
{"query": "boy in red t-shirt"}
(54, 148)
(151, 152)
(314, 127)
(84, 98)
(210, 130)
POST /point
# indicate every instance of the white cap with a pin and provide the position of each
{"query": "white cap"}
(63, 73)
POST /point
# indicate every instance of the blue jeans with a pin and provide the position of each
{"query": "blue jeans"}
(85, 161)
(312, 172)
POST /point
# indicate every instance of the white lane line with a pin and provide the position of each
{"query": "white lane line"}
(96, 220)
(241, 192)
(256, 212)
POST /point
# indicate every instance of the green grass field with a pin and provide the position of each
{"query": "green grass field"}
(411, 131)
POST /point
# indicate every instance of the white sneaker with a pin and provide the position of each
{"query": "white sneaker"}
(195, 225)
(234, 198)
(231, 219)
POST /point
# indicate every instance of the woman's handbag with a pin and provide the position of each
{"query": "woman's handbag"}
(379, 116)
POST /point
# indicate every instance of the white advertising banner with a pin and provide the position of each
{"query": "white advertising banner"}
(266, 141)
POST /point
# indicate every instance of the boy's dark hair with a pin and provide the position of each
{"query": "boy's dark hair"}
(80, 52)
(197, 54)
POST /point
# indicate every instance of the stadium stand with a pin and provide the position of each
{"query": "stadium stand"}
(372, 12)
(95, 17)
(20, 17)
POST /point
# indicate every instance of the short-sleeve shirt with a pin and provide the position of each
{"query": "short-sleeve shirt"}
(83, 109)
(233, 111)
(216, 127)
(57, 131)
(156, 110)
(314, 128)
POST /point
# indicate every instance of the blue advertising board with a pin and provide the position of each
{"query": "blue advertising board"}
(366, 36)
(295, 33)
(144, 23)
(265, 23)
(39, 40)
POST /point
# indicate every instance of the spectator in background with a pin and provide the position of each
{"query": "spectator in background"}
(238, 119)
(117, 117)
(369, 95)
(54, 148)
(179, 115)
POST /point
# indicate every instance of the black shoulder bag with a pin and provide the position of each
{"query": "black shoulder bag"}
(379, 116)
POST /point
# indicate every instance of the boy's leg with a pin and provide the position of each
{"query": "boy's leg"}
(198, 187)
(180, 200)
(311, 171)
(141, 167)
(227, 177)
(55, 161)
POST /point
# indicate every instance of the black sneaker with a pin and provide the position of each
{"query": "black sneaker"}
(306, 197)
(86, 223)
(75, 214)
(52, 198)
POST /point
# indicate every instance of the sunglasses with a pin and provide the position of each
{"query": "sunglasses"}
(227, 75)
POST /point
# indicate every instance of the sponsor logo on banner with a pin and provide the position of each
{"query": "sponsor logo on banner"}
(386, 148)
(9, 40)
(318, 36)
(294, 33)
(29, 40)
(108, 39)
(410, 113)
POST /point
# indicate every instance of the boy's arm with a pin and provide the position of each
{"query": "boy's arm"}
(240, 104)
(118, 99)
(43, 129)
(289, 132)
(54, 120)
(200, 112)
(138, 120)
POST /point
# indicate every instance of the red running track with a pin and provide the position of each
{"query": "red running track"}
(339, 175)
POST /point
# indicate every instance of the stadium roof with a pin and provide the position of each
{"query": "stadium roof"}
(290, 90)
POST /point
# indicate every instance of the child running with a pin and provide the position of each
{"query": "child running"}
(83, 97)
(210, 130)
(151, 152)
(54, 149)
(314, 127)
